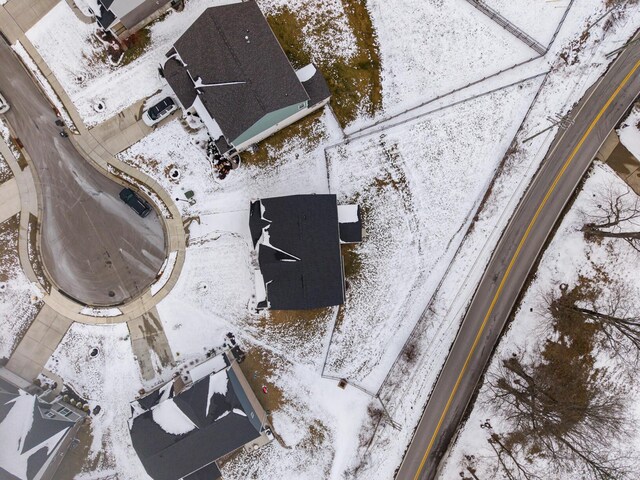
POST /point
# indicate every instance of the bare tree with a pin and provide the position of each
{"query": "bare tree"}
(615, 214)
(612, 312)
(560, 407)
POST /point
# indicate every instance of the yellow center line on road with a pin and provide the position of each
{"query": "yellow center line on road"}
(515, 258)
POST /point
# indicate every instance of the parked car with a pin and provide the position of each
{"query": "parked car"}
(159, 111)
(4, 105)
(137, 203)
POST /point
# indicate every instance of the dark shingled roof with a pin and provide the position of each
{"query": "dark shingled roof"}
(303, 270)
(210, 472)
(104, 17)
(216, 49)
(171, 457)
(180, 81)
(316, 88)
(351, 232)
(41, 429)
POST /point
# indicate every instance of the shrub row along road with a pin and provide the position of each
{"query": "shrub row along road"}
(567, 161)
(94, 247)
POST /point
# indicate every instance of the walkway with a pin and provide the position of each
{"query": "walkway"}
(37, 345)
(9, 199)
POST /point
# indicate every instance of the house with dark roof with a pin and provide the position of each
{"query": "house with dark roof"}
(230, 70)
(180, 430)
(125, 17)
(34, 434)
(297, 239)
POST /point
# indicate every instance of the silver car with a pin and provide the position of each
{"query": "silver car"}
(4, 105)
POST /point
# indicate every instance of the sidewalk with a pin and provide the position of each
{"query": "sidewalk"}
(99, 149)
(9, 199)
(99, 146)
(18, 16)
(38, 343)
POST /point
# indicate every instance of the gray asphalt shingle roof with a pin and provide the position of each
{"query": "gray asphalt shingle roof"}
(234, 43)
(218, 431)
(303, 267)
(35, 429)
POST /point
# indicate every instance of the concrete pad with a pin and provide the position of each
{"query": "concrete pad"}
(60, 324)
(37, 331)
(51, 341)
(8, 26)
(147, 335)
(9, 199)
(24, 367)
(28, 346)
(38, 343)
(28, 13)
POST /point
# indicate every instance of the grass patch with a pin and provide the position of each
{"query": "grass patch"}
(352, 261)
(258, 366)
(268, 152)
(355, 82)
(298, 325)
(136, 45)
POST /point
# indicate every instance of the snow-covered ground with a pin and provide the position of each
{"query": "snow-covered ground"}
(567, 258)
(78, 59)
(326, 30)
(18, 301)
(629, 132)
(537, 18)
(434, 336)
(429, 47)
(419, 185)
(171, 146)
(112, 380)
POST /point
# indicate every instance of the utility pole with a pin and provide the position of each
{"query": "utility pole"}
(561, 120)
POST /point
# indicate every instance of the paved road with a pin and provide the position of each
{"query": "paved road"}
(568, 159)
(94, 247)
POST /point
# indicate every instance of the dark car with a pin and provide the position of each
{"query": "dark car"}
(134, 200)
(160, 110)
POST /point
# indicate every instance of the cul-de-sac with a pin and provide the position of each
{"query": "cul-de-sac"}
(319, 239)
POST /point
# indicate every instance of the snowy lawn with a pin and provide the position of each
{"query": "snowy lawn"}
(541, 20)
(568, 258)
(79, 61)
(629, 132)
(17, 310)
(111, 380)
(570, 78)
(300, 157)
(418, 185)
(430, 47)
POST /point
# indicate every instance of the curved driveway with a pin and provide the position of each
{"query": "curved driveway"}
(94, 247)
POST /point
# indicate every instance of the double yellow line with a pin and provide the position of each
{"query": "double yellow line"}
(515, 258)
